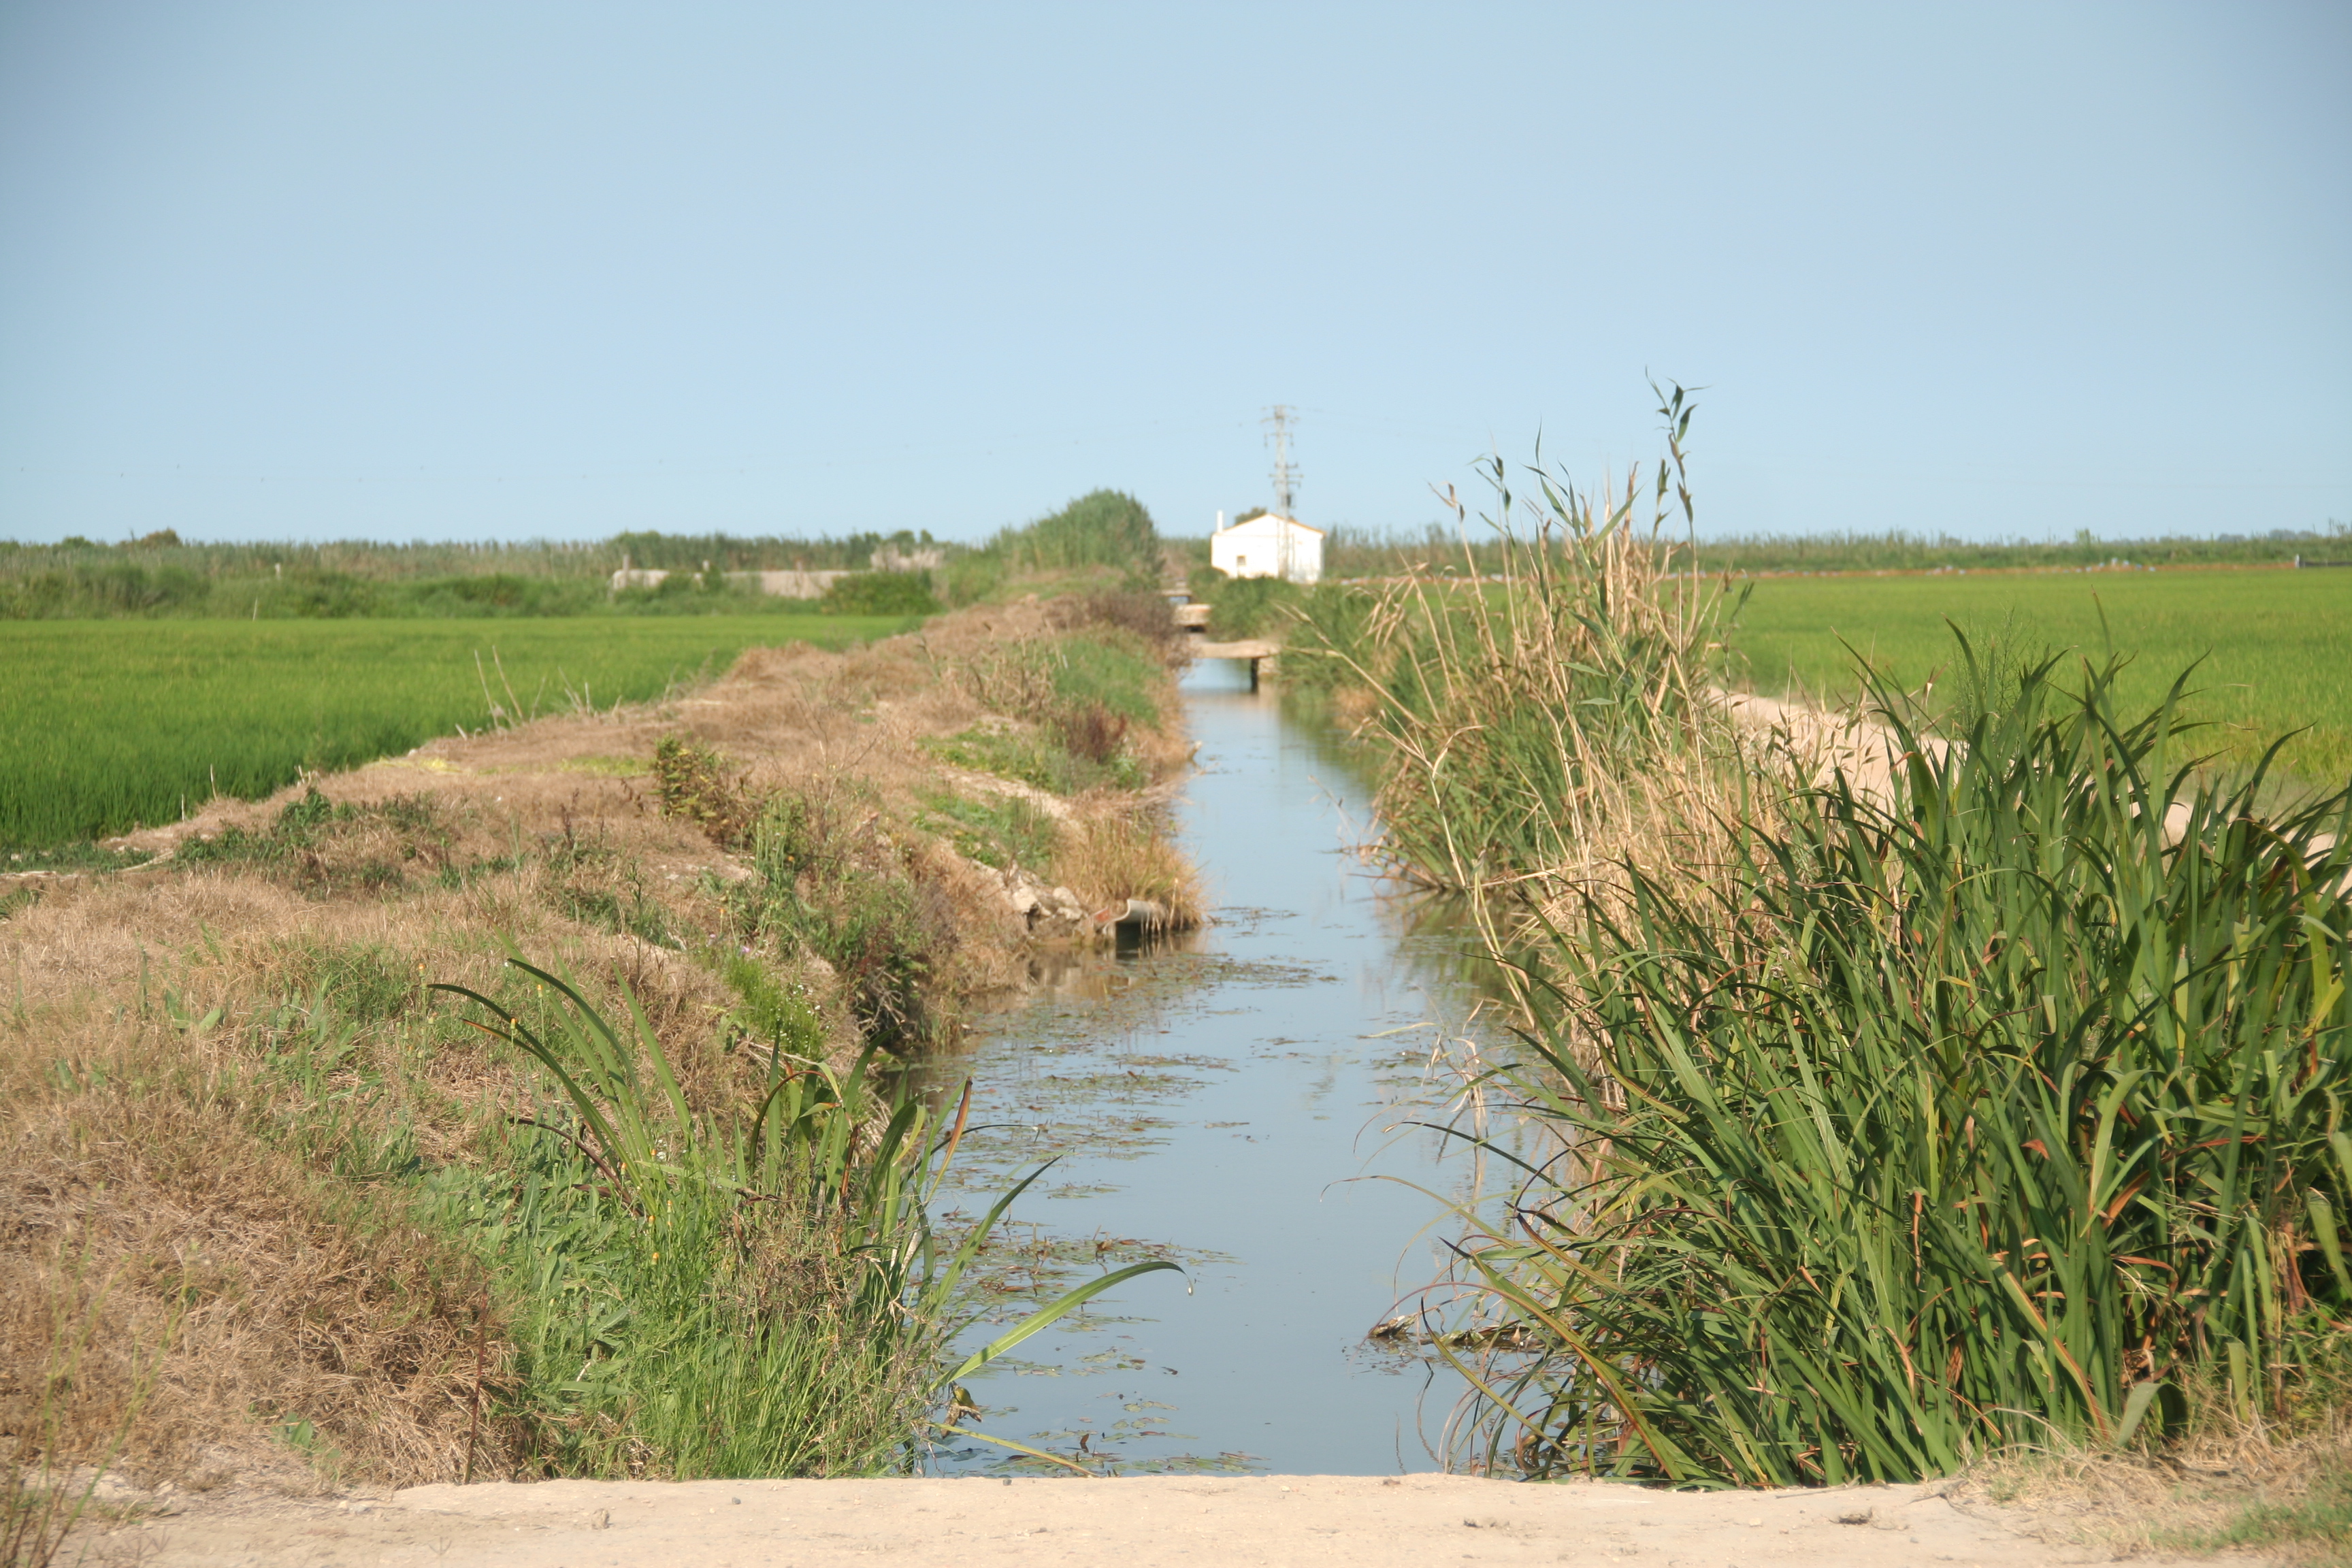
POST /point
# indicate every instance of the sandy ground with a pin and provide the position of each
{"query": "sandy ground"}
(1365, 1521)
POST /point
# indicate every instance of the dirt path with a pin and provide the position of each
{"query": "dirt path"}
(1361, 1520)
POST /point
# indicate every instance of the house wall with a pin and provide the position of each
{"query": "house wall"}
(1256, 549)
(790, 584)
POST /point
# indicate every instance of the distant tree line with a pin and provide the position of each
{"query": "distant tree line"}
(1105, 534)
(163, 575)
(1359, 553)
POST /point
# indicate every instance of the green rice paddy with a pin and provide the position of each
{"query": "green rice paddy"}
(2276, 646)
(109, 725)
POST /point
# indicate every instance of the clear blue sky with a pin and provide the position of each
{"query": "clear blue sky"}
(477, 270)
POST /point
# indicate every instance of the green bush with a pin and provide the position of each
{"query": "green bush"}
(1243, 607)
(1106, 529)
(1001, 832)
(693, 782)
(831, 880)
(748, 1291)
(1101, 528)
(880, 594)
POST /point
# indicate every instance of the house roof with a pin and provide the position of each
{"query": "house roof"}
(1277, 517)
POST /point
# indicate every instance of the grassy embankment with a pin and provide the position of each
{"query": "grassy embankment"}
(288, 1215)
(1881, 1121)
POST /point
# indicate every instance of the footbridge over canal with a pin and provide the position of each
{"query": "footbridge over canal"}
(1257, 651)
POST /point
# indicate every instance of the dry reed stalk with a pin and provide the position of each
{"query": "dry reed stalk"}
(1548, 726)
(1108, 853)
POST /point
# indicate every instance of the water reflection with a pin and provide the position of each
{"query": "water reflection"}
(1228, 1102)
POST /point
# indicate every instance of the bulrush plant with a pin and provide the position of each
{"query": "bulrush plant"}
(2002, 1105)
(1534, 720)
(752, 1291)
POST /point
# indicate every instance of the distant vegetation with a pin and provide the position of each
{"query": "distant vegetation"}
(1102, 539)
(1900, 552)
(1444, 550)
(159, 576)
(1101, 533)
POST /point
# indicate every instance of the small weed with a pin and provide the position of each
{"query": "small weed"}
(2315, 1528)
(1003, 832)
(770, 1014)
(633, 915)
(1035, 761)
(370, 984)
(694, 783)
(607, 767)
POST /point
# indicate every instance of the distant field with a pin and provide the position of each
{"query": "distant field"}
(105, 724)
(2280, 642)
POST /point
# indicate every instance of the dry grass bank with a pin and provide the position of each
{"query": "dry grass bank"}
(238, 1136)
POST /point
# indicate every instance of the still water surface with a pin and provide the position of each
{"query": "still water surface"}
(1231, 1103)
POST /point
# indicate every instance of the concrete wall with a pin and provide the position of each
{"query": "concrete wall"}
(782, 585)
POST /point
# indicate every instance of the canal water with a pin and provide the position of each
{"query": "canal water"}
(1243, 1103)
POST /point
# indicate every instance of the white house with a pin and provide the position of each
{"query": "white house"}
(1267, 546)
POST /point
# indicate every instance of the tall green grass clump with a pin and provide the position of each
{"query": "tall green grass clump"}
(1085, 696)
(704, 1294)
(2000, 1102)
(750, 1290)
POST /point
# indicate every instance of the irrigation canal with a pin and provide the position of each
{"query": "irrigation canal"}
(1231, 1102)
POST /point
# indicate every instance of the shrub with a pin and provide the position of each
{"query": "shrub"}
(880, 594)
(692, 782)
(1002, 832)
(831, 881)
(1244, 607)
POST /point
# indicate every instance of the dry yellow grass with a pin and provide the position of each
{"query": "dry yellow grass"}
(2235, 1484)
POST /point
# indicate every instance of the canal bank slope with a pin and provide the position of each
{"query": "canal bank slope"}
(253, 1168)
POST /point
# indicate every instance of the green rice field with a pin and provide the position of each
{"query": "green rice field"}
(2276, 644)
(112, 724)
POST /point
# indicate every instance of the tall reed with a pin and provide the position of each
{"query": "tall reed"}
(2001, 1102)
(1538, 722)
